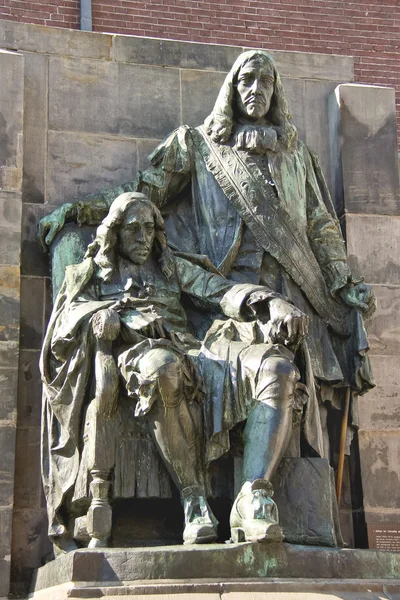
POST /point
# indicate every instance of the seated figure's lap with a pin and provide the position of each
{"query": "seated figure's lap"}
(271, 373)
(163, 367)
(153, 372)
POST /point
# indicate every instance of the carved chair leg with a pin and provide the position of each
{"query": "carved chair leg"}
(99, 516)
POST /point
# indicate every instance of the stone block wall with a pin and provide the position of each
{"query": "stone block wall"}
(11, 153)
(95, 105)
(368, 30)
(370, 208)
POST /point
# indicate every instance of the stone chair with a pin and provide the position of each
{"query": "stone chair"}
(119, 459)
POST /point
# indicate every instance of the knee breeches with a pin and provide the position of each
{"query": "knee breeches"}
(272, 376)
(159, 372)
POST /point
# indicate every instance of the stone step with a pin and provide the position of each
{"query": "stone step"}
(241, 589)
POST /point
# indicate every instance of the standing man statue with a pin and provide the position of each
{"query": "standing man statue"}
(245, 192)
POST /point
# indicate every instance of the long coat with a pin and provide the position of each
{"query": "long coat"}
(291, 241)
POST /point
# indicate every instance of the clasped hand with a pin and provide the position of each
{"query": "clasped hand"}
(359, 295)
(287, 324)
(106, 324)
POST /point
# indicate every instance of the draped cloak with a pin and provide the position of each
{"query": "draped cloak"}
(68, 355)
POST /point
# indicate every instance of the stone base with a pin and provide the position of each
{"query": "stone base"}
(256, 589)
(217, 569)
(305, 495)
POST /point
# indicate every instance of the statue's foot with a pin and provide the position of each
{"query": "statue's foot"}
(97, 543)
(254, 515)
(199, 533)
(63, 545)
(257, 532)
(200, 523)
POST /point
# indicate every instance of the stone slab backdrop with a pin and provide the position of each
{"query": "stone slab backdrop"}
(11, 152)
(94, 106)
(368, 174)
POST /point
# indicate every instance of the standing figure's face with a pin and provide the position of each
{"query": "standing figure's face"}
(255, 87)
(136, 235)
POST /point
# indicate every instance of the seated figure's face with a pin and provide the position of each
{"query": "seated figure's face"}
(136, 235)
(255, 87)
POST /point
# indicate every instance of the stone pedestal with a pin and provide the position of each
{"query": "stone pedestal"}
(305, 494)
(211, 571)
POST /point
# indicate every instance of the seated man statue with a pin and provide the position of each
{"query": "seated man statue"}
(128, 290)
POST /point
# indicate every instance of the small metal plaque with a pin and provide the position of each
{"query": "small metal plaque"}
(384, 536)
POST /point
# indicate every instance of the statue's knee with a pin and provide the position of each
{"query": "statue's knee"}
(281, 369)
(163, 366)
(287, 369)
(157, 360)
(277, 381)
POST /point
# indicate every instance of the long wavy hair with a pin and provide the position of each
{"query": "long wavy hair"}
(220, 123)
(104, 248)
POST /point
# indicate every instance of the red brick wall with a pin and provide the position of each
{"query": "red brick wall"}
(369, 30)
(58, 13)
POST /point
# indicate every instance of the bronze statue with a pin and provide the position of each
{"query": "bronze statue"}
(243, 191)
(127, 291)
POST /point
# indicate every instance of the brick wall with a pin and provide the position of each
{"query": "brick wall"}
(58, 13)
(369, 30)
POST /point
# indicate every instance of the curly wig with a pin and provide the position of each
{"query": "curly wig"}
(104, 248)
(220, 123)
